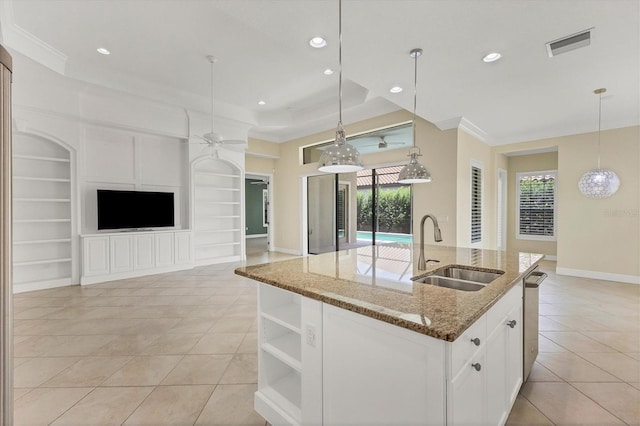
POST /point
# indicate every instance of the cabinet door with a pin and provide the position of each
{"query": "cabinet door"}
(95, 256)
(514, 355)
(164, 249)
(467, 396)
(143, 251)
(183, 247)
(121, 253)
(496, 372)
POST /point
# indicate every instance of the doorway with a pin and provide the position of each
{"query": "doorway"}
(257, 214)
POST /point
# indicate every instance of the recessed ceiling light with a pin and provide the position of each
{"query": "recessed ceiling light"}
(492, 57)
(396, 89)
(317, 42)
(328, 71)
(262, 103)
(103, 51)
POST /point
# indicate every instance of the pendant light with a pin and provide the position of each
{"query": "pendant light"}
(340, 157)
(414, 172)
(599, 183)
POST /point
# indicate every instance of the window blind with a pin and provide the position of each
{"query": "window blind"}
(476, 204)
(536, 209)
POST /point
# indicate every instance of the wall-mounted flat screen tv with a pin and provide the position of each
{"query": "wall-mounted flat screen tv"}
(134, 209)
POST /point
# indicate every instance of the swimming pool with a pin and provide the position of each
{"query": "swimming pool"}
(385, 237)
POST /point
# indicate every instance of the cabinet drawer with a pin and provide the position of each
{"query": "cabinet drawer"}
(501, 309)
(465, 346)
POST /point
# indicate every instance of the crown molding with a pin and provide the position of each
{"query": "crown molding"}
(21, 40)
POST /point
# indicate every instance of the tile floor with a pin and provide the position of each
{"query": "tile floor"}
(180, 349)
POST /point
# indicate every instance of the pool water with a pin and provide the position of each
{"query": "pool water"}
(385, 237)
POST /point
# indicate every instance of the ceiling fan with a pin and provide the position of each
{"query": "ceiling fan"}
(213, 139)
(384, 144)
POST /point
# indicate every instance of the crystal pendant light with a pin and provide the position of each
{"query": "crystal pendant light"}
(599, 183)
(414, 172)
(340, 157)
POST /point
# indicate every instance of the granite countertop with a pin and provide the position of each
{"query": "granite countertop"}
(376, 281)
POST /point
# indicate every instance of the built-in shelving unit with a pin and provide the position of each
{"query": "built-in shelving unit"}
(217, 215)
(280, 357)
(42, 213)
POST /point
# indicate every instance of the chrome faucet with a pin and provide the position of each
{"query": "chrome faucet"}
(437, 236)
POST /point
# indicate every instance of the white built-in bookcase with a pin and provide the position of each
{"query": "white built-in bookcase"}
(42, 213)
(217, 211)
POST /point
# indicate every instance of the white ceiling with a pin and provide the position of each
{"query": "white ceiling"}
(159, 47)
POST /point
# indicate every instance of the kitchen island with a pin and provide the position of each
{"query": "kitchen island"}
(349, 338)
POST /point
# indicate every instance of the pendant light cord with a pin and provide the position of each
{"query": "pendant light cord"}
(340, 64)
(415, 96)
(599, 123)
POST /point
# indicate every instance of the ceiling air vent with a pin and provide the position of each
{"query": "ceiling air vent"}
(569, 43)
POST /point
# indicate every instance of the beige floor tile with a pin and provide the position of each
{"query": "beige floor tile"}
(89, 371)
(567, 309)
(36, 371)
(198, 370)
(572, 368)
(634, 355)
(524, 413)
(143, 371)
(243, 369)
(172, 344)
(576, 342)
(623, 342)
(42, 406)
(635, 384)
(104, 406)
(193, 326)
(231, 405)
(218, 343)
(547, 345)
(579, 323)
(231, 325)
(547, 324)
(620, 399)
(618, 323)
(249, 344)
(540, 373)
(18, 392)
(35, 313)
(620, 365)
(564, 405)
(19, 361)
(127, 345)
(171, 405)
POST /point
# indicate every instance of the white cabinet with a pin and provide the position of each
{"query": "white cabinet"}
(143, 251)
(320, 364)
(121, 254)
(108, 257)
(182, 250)
(95, 256)
(483, 388)
(164, 249)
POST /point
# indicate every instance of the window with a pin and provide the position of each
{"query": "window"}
(536, 196)
(476, 202)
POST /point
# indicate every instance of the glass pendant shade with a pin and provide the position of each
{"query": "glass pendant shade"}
(414, 172)
(599, 183)
(340, 157)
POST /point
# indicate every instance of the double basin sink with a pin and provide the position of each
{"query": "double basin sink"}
(459, 277)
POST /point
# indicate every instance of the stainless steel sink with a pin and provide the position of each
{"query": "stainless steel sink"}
(450, 283)
(457, 272)
(458, 277)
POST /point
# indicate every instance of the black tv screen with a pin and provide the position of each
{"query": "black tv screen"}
(134, 209)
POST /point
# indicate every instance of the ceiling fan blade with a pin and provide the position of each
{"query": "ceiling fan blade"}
(233, 142)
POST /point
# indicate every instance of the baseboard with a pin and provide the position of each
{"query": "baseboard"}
(551, 257)
(40, 285)
(86, 280)
(606, 276)
(256, 236)
(287, 251)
